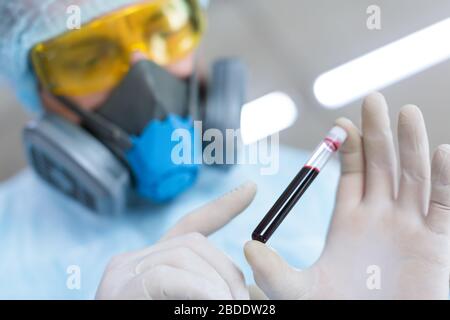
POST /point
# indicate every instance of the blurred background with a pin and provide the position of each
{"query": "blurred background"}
(287, 45)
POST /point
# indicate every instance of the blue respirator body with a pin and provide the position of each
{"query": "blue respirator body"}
(125, 148)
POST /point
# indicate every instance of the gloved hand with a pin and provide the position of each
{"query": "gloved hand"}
(383, 242)
(183, 264)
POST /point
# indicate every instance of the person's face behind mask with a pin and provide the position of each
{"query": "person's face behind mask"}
(181, 69)
(85, 65)
(73, 75)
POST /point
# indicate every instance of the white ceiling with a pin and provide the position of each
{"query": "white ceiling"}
(288, 43)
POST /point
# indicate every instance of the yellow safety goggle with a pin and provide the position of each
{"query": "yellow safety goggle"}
(97, 56)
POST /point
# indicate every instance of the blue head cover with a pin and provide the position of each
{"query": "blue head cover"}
(158, 176)
(25, 23)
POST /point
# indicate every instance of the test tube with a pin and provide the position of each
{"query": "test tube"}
(301, 182)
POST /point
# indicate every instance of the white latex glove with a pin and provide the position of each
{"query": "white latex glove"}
(401, 235)
(183, 264)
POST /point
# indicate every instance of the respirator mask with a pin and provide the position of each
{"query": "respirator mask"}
(125, 147)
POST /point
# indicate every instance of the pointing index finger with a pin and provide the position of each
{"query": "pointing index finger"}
(214, 215)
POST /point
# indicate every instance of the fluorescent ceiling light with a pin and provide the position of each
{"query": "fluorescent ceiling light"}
(384, 66)
(267, 115)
